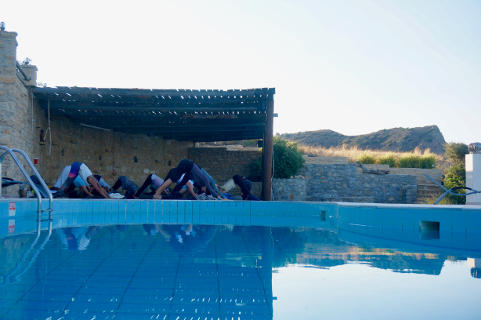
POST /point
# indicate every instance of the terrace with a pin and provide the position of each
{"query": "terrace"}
(183, 115)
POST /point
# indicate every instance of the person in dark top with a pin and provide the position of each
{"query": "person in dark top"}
(191, 171)
(153, 181)
(162, 191)
(128, 186)
(246, 186)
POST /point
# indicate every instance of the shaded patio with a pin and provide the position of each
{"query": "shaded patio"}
(185, 115)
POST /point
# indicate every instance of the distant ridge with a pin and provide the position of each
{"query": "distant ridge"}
(396, 139)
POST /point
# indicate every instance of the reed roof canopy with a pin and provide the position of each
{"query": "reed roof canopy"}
(194, 115)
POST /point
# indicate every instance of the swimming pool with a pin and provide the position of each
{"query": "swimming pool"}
(144, 259)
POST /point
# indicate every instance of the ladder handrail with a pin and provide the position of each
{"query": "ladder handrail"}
(451, 190)
(12, 277)
(39, 177)
(25, 174)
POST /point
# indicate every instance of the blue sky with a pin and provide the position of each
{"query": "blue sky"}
(354, 67)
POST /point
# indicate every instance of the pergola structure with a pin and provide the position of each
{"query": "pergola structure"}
(194, 115)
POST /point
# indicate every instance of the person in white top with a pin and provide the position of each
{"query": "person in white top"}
(79, 169)
(77, 183)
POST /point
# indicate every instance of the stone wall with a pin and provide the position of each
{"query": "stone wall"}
(293, 189)
(107, 153)
(222, 163)
(16, 105)
(345, 182)
(427, 192)
(436, 174)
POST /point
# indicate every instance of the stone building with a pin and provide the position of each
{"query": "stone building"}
(130, 132)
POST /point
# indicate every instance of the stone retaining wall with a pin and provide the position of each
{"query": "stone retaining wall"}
(420, 174)
(428, 191)
(345, 182)
(293, 189)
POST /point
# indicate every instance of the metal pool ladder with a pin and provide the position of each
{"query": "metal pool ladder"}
(40, 210)
(30, 255)
(451, 191)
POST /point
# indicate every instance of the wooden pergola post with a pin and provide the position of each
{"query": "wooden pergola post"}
(267, 150)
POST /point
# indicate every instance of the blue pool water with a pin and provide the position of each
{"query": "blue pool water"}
(237, 260)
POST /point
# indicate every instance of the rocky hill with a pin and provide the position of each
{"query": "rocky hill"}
(396, 139)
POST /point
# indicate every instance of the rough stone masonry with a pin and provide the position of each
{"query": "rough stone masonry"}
(345, 182)
(16, 110)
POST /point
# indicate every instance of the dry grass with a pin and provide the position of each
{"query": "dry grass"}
(354, 154)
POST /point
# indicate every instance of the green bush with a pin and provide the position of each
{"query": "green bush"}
(427, 161)
(455, 177)
(455, 152)
(366, 158)
(410, 161)
(287, 161)
(388, 159)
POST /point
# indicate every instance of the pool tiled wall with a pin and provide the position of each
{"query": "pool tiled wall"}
(437, 226)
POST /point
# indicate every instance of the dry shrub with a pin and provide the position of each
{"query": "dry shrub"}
(415, 159)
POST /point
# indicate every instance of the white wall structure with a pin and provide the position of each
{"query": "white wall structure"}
(473, 177)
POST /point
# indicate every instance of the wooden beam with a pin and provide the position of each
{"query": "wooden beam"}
(267, 151)
(163, 107)
(115, 93)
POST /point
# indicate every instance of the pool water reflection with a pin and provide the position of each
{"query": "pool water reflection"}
(231, 272)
